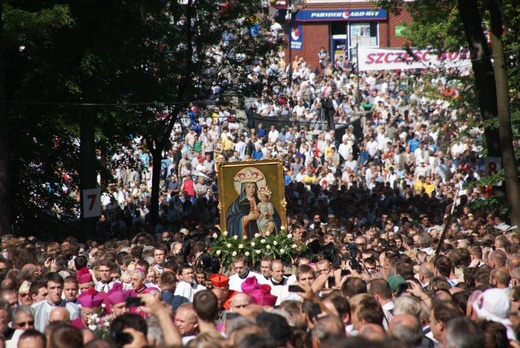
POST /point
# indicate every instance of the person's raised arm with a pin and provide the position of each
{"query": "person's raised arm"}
(153, 306)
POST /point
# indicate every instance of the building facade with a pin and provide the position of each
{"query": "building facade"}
(339, 26)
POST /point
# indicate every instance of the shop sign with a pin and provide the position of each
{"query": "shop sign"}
(341, 15)
(297, 37)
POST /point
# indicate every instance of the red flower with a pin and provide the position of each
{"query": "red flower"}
(265, 289)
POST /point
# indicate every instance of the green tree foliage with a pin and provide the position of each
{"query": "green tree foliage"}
(450, 25)
(137, 65)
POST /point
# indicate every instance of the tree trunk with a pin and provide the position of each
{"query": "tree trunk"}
(88, 160)
(156, 145)
(504, 115)
(88, 163)
(5, 191)
(156, 153)
(483, 70)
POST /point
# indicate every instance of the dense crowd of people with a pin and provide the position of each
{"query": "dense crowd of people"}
(372, 208)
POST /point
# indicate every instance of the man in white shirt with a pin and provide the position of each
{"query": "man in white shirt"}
(265, 270)
(277, 274)
(380, 289)
(372, 147)
(273, 135)
(184, 285)
(159, 257)
(241, 146)
(43, 308)
(242, 272)
(106, 281)
(345, 149)
(351, 163)
(299, 109)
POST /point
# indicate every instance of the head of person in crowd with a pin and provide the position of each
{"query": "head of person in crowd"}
(338, 306)
(151, 276)
(54, 288)
(159, 255)
(221, 282)
(5, 316)
(23, 318)
(176, 249)
(464, 333)
(380, 290)
(186, 320)
(70, 289)
(495, 334)
(117, 299)
(24, 296)
(143, 265)
(30, 271)
(426, 273)
(221, 298)
(265, 266)
(138, 281)
(167, 281)
(239, 301)
(241, 265)
(104, 271)
(59, 314)
(277, 272)
(186, 274)
(205, 305)
(305, 274)
(90, 302)
(171, 266)
(440, 314)
(413, 306)
(85, 280)
(276, 326)
(407, 329)
(365, 310)
(138, 330)
(10, 296)
(353, 286)
(324, 267)
(200, 275)
(497, 259)
(32, 338)
(443, 266)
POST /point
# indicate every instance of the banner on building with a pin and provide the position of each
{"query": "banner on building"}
(391, 59)
(297, 37)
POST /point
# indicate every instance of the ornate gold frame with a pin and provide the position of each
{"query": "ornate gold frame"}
(274, 177)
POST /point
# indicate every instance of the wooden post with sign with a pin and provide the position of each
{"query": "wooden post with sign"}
(91, 203)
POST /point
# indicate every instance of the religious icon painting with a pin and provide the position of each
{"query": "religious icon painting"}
(251, 197)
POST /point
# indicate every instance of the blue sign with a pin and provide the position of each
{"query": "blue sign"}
(252, 30)
(296, 37)
(340, 15)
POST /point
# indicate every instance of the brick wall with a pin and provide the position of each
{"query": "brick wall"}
(393, 21)
(316, 35)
